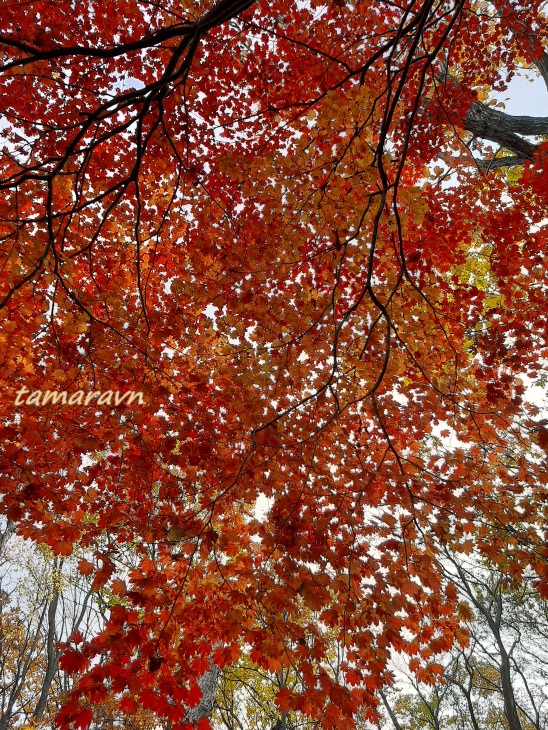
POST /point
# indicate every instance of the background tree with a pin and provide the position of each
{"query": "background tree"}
(45, 600)
(28, 655)
(494, 679)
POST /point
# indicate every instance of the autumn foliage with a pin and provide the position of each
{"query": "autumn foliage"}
(268, 219)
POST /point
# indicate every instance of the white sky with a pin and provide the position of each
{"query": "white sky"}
(526, 95)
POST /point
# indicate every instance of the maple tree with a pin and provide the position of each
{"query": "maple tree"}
(285, 226)
(246, 696)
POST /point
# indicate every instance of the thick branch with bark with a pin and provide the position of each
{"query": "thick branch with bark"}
(504, 129)
(542, 65)
(507, 130)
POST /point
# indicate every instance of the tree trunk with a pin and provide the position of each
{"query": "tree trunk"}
(52, 656)
(208, 683)
(390, 711)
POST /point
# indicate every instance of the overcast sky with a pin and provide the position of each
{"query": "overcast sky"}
(526, 95)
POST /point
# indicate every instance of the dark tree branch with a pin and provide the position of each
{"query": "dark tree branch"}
(497, 162)
(390, 711)
(220, 13)
(52, 655)
(542, 65)
(505, 129)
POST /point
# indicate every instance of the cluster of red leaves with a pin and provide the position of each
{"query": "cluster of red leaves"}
(267, 165)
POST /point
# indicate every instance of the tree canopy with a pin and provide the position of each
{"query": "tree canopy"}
(306, 236)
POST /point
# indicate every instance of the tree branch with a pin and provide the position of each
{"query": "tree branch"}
(542, 65)
(504, 129)
(497, 162)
